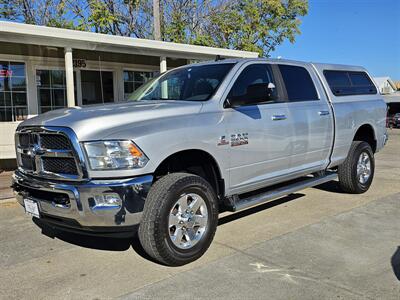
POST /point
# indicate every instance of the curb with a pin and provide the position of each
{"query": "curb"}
(6, 194)
(8, 200)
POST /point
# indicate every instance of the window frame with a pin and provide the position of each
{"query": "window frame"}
(275, 74)
(25, 63)
(348, 72)
(77, 84)
(114, 80)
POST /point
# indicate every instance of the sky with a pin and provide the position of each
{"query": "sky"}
(356, 32)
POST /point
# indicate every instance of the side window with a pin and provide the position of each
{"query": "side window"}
(337, 79)
(254, 85)
(298, 83)
(345, 83)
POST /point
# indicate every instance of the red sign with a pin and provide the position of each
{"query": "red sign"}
(5, 73)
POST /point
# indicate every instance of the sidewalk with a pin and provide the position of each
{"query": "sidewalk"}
(6, 192)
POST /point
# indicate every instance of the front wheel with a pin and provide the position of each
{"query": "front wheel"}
(357, 171)
(179, 220)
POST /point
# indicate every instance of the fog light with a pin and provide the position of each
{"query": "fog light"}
(107, 201)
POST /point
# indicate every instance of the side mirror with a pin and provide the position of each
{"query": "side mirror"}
(228, 103)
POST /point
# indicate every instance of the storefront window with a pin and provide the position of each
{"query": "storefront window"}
(134, 79)
(51, 89)
(97, 87)
(13, 103)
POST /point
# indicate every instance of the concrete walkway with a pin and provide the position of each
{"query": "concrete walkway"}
(5, 182)
(354, 255)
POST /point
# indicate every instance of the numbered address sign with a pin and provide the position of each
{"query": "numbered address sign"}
(79, 63)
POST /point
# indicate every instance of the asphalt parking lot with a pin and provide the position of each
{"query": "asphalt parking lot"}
(315, 244)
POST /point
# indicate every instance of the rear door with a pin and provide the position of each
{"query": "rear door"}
(310, 116)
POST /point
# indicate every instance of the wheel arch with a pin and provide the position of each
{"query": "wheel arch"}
(195, 161)
(366, 133)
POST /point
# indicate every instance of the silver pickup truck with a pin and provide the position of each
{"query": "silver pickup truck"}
(195, 141)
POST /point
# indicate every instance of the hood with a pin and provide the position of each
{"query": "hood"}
(97, 122)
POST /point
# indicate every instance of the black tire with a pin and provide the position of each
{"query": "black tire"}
(347, 171)
(154, 228)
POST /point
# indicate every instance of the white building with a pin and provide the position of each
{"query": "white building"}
(385, 85)
(43, 68)
(389, 93)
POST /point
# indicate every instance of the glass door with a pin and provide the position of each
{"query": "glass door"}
(97, 87)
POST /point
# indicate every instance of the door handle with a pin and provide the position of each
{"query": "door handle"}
(323, 112)
(278, 117)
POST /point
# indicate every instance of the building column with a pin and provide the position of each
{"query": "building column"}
(33, 107)
(163, 64)
(69, 76)
(164, 84)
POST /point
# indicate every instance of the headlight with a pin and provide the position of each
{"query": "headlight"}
(114, 155)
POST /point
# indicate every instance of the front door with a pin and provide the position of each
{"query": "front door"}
(260, 134)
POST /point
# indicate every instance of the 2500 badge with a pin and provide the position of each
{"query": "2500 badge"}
(236, 140)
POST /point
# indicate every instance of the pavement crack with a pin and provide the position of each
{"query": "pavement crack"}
(287, 272)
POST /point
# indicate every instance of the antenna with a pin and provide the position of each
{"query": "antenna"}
(101, 80)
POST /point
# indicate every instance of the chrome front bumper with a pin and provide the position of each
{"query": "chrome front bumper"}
(72, 204)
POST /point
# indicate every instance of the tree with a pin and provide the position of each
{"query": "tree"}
(40, 12)
(117, 17)
(252, 25)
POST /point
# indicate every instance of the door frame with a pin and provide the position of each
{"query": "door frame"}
(115, 85)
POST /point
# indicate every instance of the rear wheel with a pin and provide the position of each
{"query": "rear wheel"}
(179, 219)
(357, 171)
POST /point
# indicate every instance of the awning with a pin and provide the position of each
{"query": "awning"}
(58, 37)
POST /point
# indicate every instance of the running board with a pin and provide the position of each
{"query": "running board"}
(250, 201)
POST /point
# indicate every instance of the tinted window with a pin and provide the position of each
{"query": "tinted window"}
(336, 78)
(298, 83)
(344, 83)
(359, 79)
(253, 75)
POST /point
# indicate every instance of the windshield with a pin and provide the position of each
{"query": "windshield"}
(193, 83)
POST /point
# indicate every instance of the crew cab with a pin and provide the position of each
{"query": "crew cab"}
(196, 141)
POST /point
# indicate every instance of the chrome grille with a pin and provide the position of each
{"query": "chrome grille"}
(54, 141)
(24, 139)
(49, 153)
(27, 162)
(59, 165)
